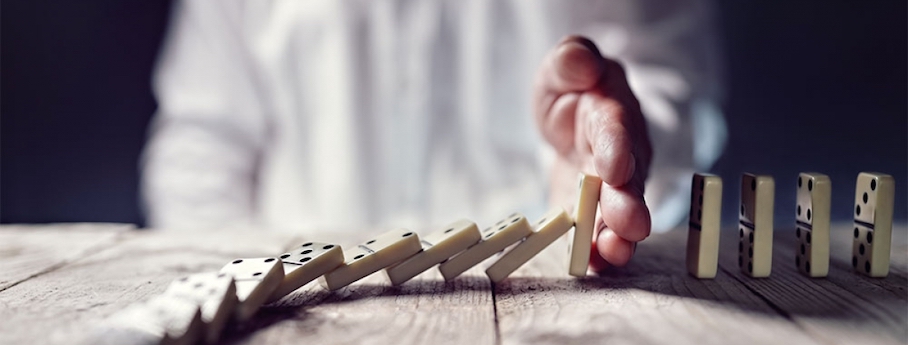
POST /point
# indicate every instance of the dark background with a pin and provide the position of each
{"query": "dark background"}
(812, 86)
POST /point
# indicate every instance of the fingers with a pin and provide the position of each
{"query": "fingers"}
(615, 250)
(612, 135)
(624, 211)
(574, 66)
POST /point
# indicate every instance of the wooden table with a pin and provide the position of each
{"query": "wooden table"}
(57, 282)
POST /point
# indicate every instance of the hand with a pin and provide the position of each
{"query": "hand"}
(588, 113)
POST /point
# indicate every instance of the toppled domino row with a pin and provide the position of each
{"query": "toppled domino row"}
(198, 307)
(873, 208)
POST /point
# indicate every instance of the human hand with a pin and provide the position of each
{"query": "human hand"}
(586, 110)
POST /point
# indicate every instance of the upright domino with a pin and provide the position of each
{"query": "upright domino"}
(436, 247)
(812, 224)
(755, 229)
(874, 194)
(367, 258)
(214, 293)
(584, 222)
(494, 239)
(306, 263)
(256, 279)
(704, 225)
(548, 229)
(160, 320)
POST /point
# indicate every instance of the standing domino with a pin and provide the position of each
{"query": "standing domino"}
(873, 207)
(552, 225)
(437, 247)
(584, 222)
(494, 239)
(256, 279)
(214, 293)
(305, 263)
(367, 258)
(812, 224)
(755, 229)
(704, 225)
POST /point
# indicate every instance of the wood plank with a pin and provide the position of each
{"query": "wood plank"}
(62, 306)
(652, 300)
(844, 308)
(425, 310)
(30, 250)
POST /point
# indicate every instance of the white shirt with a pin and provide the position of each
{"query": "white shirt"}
(313, 115)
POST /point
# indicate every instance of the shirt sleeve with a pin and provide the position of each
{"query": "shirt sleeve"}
(210, 129)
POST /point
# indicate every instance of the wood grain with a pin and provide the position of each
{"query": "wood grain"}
(844, 308)
(651, 301)
(62, 306)
(30, 250)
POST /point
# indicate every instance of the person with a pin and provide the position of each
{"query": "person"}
(338, 115)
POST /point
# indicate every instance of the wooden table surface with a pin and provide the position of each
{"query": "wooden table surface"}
(57, 282)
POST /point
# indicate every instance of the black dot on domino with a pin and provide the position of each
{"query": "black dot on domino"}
(256, 274)
(798, 232)
(861, 249)
(799, 210)
(867, 266)
(237, 261)
(750, 267)
(489, 234)
(307, 251)
(408, 234)
(869, 237)
(750, 252)
(873, 184)
(269, 259)
(284, 256)
(807, 266)
(799, 182)
(197, 285)
(857, 210)
(184, 279)
(808, 214)
(741, 232)
(865, 197)
(222, 275)
(449, 230)
(854, 261)
(542, 221)
(305, 259)
(751, 236)
(306, 244)
(502, 227)
(328, 247)
(370, 242)
(808, 238)
(360, 256)
(742, 210)
(515, 220)
(802, 249)
(810, 185)
(855, 232)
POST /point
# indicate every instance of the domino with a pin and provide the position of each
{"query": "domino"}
(214, 293)
(367, 258)
(704, 226)
(436, 247)
(160, 320)
(812, 224)
(584, 221)
(755, 229)
(873, 208)
(494, 239)
(548, 229)
(306, 263)
(255, 279)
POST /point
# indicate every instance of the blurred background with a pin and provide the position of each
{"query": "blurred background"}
(812, 86)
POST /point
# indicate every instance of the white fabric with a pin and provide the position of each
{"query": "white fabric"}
(313, 115)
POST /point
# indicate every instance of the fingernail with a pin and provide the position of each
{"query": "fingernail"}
(630, 169)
